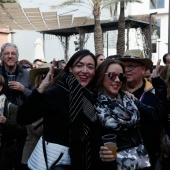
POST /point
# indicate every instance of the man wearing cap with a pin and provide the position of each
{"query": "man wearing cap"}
(153, 95)
(16, 91)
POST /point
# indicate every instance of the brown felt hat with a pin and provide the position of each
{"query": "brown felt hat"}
(136, 55)
(43, 69)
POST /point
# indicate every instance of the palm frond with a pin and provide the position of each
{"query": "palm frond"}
(83, 3)
(132, 1)
(67, 3)
(108, 3)
(8, 1)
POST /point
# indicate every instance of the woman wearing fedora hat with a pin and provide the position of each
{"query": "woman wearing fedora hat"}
(67, 108)
(34, 130)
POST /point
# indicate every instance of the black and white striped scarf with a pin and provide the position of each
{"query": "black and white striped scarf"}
(82, 118)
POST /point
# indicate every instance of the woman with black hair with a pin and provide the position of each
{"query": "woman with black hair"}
(69, 117)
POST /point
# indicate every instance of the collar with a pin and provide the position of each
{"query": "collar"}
(148, 85)
(16, 72)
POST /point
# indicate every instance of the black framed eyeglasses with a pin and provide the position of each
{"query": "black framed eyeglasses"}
(112, 76)
(132, 66)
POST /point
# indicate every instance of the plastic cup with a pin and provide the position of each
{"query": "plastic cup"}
(11, 78)
(110, 142)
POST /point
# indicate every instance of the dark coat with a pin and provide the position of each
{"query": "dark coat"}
(19, 132)
(8, 147)
(53, 106)
(23, 78)
(154, 95)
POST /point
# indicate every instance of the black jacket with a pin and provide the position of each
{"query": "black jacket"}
(153, 95)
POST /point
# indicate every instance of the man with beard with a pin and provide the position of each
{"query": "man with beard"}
(16, 92)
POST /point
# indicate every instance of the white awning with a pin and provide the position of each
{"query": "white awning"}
(12, 16)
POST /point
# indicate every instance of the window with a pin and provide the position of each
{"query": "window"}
(156, 35)
(153, 47)
(158, 26)
(158, 4)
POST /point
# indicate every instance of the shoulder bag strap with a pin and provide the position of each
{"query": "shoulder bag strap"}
(54, 164)
(44, 151)
(45, 156)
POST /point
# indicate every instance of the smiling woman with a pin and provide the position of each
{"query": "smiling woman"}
(117, 114)
(84, 70)
(67, 106)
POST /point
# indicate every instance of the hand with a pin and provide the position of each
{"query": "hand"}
(2, 118)
(155, 72)
(106, 155)
(130, 95)
(48, 79)
(15, 85)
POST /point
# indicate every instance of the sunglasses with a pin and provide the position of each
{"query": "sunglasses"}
(24, 66)
(112, 76)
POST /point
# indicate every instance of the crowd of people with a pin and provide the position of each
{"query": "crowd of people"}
(53, 115)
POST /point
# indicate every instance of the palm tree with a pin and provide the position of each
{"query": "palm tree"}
(95, 6)
(121, 23)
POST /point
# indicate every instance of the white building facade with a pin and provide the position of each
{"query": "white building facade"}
(160, 40)
(159, 36)
(53, 48)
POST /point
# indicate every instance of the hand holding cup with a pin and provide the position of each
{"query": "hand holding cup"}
(10, 78)
(110, 142)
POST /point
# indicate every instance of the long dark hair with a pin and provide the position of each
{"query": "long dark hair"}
(73, 61)
(78, 56)
(102, 69)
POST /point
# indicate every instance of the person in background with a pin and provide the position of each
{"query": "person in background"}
(56, 63)
(117, 113)
(116, 56)
(8, 127)
(62, 64)
(37, 63)
(0, 62)
(38, 75)
(147, 74)
(16, 91)
(100, 58)
(166, 58)
(35, 130)
(25, 64)
(68, 114)
(153, 95)
(165, 74)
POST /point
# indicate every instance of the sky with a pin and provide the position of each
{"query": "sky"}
(25, 40)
